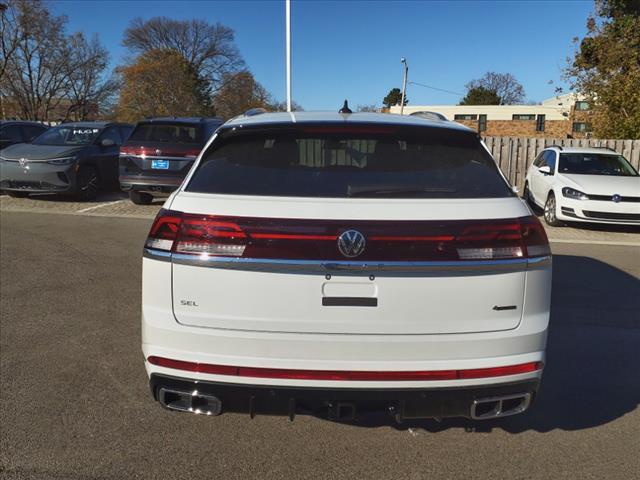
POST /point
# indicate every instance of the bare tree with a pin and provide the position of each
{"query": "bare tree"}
(367, 108)
(36, 73)
(89, 93)
(43, 69)
(209, 49)
(504, 85)
(276, 106)
(10, 33)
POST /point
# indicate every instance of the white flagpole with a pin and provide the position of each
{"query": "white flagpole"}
(288, 28)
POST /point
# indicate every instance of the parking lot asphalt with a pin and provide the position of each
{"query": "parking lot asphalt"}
(75, 403)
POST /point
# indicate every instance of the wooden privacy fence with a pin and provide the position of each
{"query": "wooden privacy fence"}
(515, 154)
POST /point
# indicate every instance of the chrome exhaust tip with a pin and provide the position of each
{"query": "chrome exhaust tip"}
(193, 402)
(500, 406)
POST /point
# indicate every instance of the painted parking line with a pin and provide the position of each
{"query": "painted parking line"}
(595, 242)
(95, 207)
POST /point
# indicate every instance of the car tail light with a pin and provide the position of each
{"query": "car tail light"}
(272, 238)
(192, 153)
(164, 230)
(141, 150)
(524, 237)
(206, 235)
(129, 150)
(534, 237)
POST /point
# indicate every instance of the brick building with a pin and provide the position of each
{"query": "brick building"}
(564, 116)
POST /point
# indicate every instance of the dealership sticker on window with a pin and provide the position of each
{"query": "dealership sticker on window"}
(85, 131)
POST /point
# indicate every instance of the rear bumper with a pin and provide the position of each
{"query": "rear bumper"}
(137, 173)
(150, 182)
(348, 403)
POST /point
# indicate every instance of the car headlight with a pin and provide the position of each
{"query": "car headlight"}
(62, 161)
(574, 194)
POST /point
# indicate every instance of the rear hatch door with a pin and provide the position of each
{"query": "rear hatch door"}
(429, 229)
(271, 295)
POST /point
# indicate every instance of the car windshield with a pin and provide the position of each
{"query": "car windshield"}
(68, 135)
(596, 164)
(166, 133)
(366, 161)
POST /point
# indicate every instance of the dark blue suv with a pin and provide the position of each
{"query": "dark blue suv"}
(159, 154)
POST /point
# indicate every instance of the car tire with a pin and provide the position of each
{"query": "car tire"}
(88, 183)
(550, 209)
(140, 198)
(14, 194)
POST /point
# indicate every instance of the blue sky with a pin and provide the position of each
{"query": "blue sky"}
(352, 49)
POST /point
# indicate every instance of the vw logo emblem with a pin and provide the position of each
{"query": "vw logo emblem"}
(616, 198)
(351, 243)
(158, 152)
(23, 162)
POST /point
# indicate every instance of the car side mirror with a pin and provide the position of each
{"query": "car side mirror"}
(107, 142)
(545, 169)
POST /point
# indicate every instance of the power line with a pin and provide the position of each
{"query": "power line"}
(436, 88)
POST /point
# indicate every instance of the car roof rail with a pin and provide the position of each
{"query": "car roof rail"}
(559, 147)
(608, 148)
(252, 112)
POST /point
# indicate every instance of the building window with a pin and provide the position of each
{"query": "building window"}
(462, 116)
(581, 127)
(540, 123)
(482, 123)
(582, 106)
(527, 116)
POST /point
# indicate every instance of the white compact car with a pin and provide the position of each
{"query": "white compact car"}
(339, 264)
(584, 185)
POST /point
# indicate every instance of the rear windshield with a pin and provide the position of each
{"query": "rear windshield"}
(595, 164)
(167, 133)
(338, 161)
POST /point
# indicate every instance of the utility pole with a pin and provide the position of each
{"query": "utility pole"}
(404, 83)
(288, 35)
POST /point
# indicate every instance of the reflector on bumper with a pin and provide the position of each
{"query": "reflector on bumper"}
(345, 375)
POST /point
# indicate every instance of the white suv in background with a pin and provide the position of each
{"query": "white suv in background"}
(339, 264)
(584, 185)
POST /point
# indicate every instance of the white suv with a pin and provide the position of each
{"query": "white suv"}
(584, 185)
(339, 264)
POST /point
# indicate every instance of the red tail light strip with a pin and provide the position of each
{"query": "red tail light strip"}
(250, 238)
(436, 238)
(345, 375)
(287, 236)
(165, 153)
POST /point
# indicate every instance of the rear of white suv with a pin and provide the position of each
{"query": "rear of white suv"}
(336, 265)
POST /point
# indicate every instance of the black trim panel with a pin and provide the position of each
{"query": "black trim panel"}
(349, 302)
(402, 403)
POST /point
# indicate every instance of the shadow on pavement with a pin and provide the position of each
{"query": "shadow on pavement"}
(104, 196)
(591, 372)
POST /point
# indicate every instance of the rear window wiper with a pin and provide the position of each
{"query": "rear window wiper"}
(391, 190)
